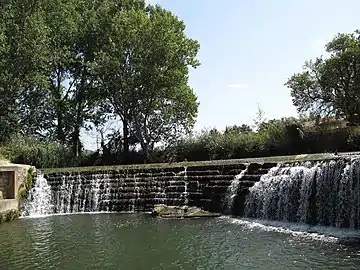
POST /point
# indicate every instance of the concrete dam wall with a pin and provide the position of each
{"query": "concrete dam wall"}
(141, 189)
(316, 192)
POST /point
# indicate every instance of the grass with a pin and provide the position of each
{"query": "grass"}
(274, 159)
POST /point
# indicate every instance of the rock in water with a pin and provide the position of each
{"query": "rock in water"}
(165, 211)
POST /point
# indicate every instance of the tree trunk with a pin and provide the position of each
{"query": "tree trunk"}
(60, 127)
(59, 109)
(126, 139)
(145, 148)
(78, 121)
(76, 141)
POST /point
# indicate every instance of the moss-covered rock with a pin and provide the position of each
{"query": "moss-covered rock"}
(165, 211)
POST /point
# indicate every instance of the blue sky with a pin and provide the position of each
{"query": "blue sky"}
(250, 47)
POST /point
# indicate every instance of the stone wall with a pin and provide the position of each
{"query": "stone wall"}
(141, 189)
(12, 176)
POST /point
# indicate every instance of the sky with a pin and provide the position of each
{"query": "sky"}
(248, 49)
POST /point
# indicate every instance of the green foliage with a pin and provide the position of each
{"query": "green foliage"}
(69, 66)
(354, 139)
(144, 70)
(330, 86)
(41, 154)
(274, 137)
(2, 154)
(25, 187)
(9, 215)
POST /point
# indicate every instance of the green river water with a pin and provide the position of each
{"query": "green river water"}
(129, 241)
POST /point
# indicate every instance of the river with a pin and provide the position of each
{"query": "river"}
(137, 241)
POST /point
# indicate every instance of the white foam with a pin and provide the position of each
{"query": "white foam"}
(77, 213)
(301, 231)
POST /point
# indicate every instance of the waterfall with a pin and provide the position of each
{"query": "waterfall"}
(185, 193)
(232, 191)
(317, 193)
(112, 191)
(39, 199)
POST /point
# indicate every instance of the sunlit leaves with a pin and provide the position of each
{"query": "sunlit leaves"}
(330, 85)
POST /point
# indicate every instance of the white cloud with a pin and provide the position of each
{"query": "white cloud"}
(239, 85)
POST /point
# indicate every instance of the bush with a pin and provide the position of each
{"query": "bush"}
(286, 136)
(354, 139)
(41, 154)
(25, 187)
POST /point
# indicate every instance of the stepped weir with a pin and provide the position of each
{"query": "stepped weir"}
(138, 190)
(325, 192)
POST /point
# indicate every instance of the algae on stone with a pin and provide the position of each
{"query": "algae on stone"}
(165, 211)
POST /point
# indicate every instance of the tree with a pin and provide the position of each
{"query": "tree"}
(144, 70)
(71, 90)
(23, 39)
(330, 86)
(259, 119)
(70, 98)
(243, 129)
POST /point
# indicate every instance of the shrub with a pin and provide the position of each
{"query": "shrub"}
(41, 154)
(25, 187)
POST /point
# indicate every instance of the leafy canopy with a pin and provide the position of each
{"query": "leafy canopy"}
(330, 86)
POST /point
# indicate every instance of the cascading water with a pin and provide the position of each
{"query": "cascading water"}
(185, 193)
(324, 193)
(233, 190)
(106, 192)
(39, 199)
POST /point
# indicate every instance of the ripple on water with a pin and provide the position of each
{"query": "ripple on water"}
(141, 242)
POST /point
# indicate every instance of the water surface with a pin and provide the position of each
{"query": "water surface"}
(129, 241)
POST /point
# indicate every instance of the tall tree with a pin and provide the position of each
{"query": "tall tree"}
(144, 70)
(330, 85)
(23, 38)
(77, 34)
